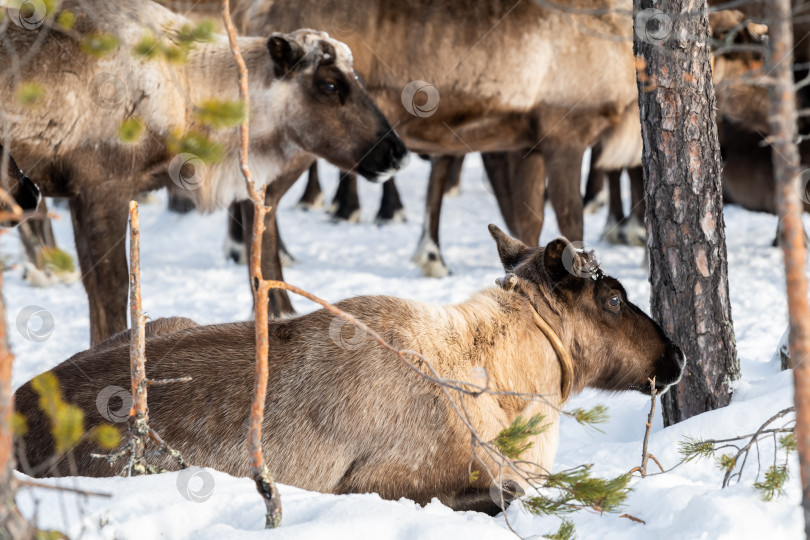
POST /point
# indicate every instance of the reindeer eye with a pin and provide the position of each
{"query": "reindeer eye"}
(614, 301)
(328, 87)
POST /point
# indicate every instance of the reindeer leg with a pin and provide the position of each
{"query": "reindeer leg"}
(594, 198)
(528, 189)
(428, 254)
(452, 187)
(391, 209)
(235, 242)
(312, 199)
(100, 230)
(179, 204)
(633, 230)
(615, 218)
(564, 164)
(278, 300)
(487, 501)
(346, 204)
(500, 169)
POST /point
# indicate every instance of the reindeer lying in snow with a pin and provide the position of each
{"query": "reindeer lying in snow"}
(351, 417)
(305, 101)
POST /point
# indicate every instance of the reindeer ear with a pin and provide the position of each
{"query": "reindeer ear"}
(562, 260)
(554, 259)
(285, 53)
(510, 250)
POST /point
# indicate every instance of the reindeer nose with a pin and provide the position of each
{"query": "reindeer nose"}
(670, 366)
(675, 352)
(397, 151)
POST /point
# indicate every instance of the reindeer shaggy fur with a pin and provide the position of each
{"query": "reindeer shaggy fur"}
(305, 101)
(344, 415)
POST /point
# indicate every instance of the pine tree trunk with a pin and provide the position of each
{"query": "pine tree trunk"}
(787, 172)
(685, 227)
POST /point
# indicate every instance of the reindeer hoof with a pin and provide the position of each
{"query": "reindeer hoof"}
(314, 204)
(633, 232)
(452, 191)
(287, 260)
(344, 217)
(611, 232)
(47, 277)
(235, 251)
(397, 217)
(595, 204)
(429, 259)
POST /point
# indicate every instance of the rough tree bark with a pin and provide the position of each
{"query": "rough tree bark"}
(787, 172)
(685, 227)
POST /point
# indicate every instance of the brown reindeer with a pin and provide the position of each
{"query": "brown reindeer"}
(305, 102)
(511, 76)
(349, 417)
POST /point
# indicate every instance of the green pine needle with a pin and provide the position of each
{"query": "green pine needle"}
(788, 442)
(198, 144)
(99, 44)
(726, 462)
(30, 94)
(774, 483)
(66, 20)
(512, 441)
(579, 489)
(565, 532)
(589, 417)
(221, 114)
(547, 506)
(692, 448)
(56, 259)
(202, 32)
(148, 47)
(130, 130)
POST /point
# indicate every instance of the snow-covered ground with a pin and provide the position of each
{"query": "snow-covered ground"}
(185, 273)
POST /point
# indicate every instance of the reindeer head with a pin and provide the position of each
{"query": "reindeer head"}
(614, 345)
(330, 114)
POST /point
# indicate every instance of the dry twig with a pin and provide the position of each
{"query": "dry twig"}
(139, 428)
(261, 473)
(644, 454)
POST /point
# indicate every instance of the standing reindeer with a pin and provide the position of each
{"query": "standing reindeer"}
(306, 102)
(511, 77)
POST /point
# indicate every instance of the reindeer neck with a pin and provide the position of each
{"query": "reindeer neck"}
(211, 74)
(506, 342)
